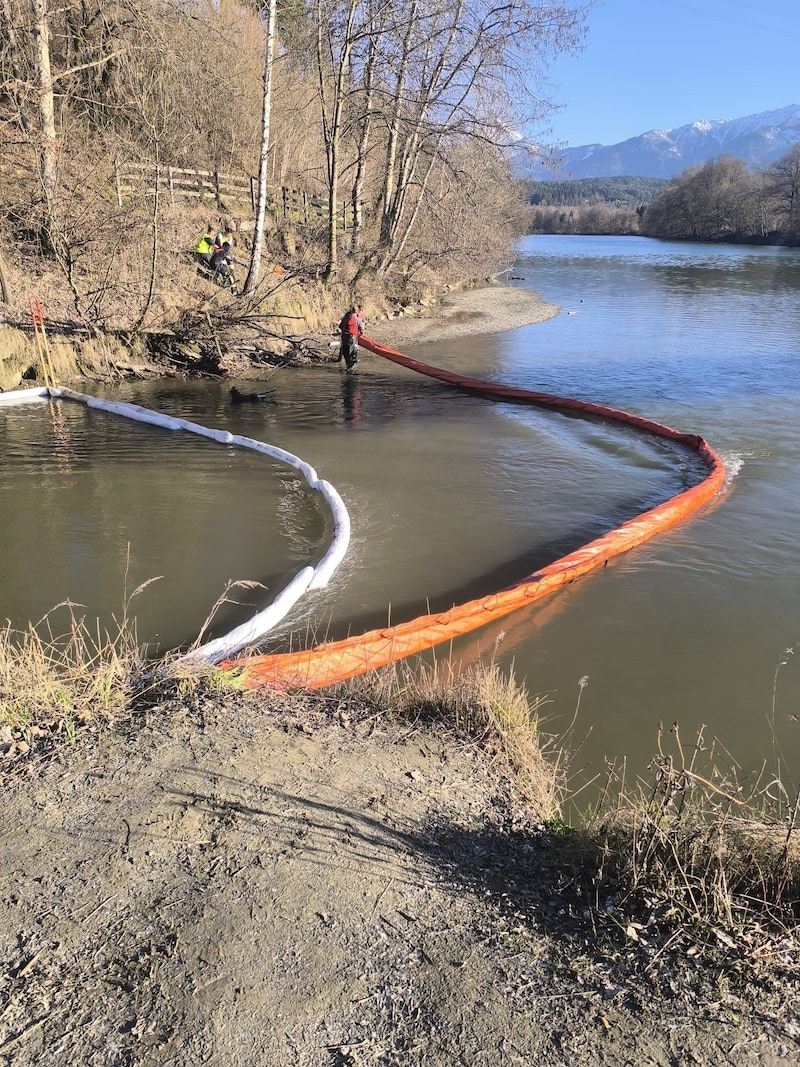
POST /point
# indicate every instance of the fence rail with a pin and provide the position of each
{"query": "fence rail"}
(133, 178)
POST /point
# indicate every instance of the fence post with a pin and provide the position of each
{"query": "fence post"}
(216, 189)
(171, 187)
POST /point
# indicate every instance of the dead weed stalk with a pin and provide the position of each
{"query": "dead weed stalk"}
(696, 842)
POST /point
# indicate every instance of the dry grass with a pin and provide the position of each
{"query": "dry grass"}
(484, 703)
(711, 845)
(694, 848)
(715, 849)
(56, 678)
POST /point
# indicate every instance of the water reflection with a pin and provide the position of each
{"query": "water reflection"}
(351, 400)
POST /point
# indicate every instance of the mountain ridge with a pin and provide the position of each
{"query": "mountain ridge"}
(758, 139)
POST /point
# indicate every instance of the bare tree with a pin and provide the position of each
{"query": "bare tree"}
(50, 140)
(47, 121)
(254, 270)
(14, 64)
(336, 29)
(715, 200)
(458, 73)
(783, 179)
(422, 76)
(365, 115)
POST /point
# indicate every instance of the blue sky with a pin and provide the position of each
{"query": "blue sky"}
(659, 64)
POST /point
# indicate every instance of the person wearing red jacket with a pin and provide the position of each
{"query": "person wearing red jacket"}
(350, 328)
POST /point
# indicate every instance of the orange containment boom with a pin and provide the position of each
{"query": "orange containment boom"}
(335, 661)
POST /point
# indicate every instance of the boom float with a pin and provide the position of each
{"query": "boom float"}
(336, 661)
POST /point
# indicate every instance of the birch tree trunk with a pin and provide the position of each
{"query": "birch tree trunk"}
(394, 125)
(254, 271)
(5, 293)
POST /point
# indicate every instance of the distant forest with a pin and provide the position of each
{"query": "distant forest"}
(591, 205)
(720, 200)
(619, 192)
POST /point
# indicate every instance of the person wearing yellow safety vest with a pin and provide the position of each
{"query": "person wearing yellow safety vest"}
(224, 233)
(204, 246)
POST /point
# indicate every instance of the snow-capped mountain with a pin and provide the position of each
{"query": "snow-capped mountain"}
(757, 139)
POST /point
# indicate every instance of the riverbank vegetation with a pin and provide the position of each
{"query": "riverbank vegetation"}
(720, 200)
(396, 121)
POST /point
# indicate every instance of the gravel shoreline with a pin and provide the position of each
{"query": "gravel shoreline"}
(491, 309)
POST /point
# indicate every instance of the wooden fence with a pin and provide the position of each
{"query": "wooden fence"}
(297, 205)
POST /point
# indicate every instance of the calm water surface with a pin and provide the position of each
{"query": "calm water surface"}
(451, 496)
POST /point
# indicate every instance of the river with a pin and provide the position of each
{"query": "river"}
(451, 496)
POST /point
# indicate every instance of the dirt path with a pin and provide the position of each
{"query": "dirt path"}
(233, 885)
